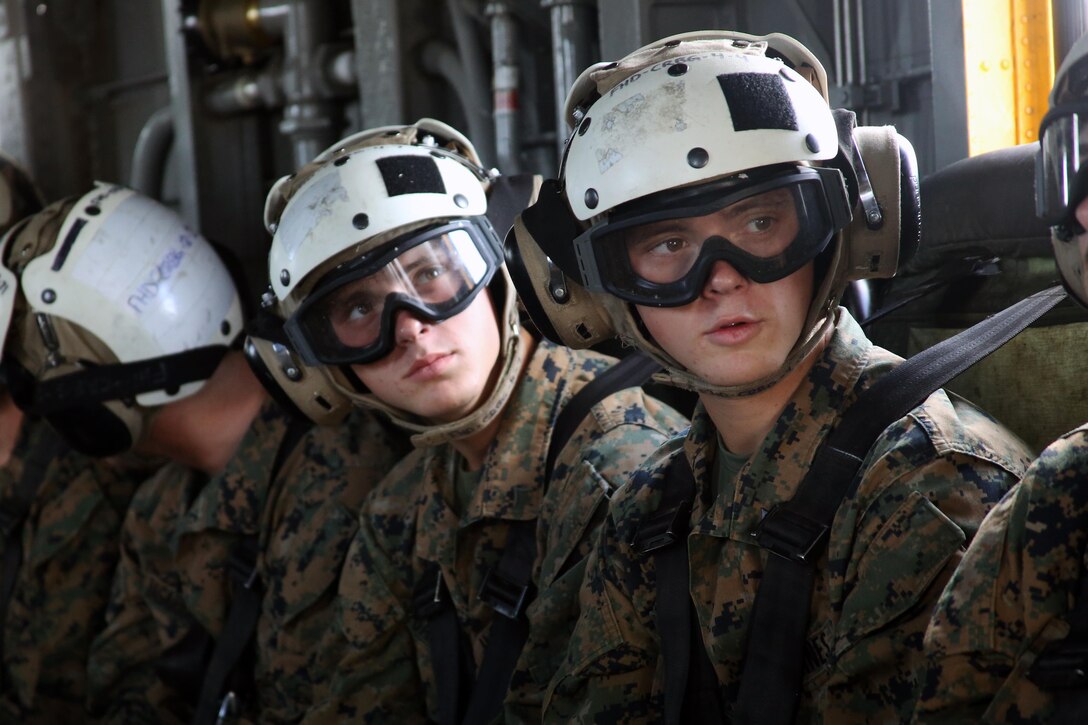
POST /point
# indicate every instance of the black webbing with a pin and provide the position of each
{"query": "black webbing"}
(507, 588)
(245, 602)
(12, 516)
(632, 371)
(664, 536)
(123, 380)
(797, 530)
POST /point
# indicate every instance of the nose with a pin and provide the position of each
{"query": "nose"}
(723, 278)
(408, 327)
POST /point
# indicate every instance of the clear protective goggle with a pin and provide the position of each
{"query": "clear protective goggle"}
(766, 227)
(435, 274)
(1061, 176)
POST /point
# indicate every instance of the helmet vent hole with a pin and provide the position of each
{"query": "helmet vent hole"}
(224, 327)
(671, 44)
(360, 221)
(678, 70)
(812, 144)
(460, 200)
(592, 199)
(583, 331)
(93, 210)
(698, 157)
(322, 402)
(584, 126)
(340, 161)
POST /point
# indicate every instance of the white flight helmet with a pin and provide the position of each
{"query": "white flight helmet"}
(346, 215)
(676, 129)
(110, 307)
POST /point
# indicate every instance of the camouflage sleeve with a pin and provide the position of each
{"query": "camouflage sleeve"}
(1008, 598)
(601, 456)
(377, 677)
(608, 671)
(146, 615)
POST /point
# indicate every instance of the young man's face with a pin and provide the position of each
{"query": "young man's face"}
(439, 371)
(737, 331)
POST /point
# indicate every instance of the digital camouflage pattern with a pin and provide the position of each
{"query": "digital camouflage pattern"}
(1011, 596)
(69, 551)
(174, 582)
(410, 524)
(926, 485)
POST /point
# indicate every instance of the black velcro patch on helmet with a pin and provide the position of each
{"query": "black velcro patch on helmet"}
(411, 175)
(758, 100)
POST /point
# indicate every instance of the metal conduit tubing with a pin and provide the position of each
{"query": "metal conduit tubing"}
(306, 117)
(505, 87)
(152, 149)
(253, 89)
(836, 21)
(572, 23)
(862, 68)
(1070, 21)
(848, 43)
(474, 74)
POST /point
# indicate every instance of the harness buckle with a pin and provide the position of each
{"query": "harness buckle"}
(503, 594)
(1061, 666)
(228, 709)
(790, 535)
(662, 528)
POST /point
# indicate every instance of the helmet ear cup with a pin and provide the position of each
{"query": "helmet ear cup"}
(886, 227)
(300, 389)
(563, 310)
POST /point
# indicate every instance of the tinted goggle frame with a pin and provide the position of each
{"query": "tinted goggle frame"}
(1061, 166)
(310, 331)
(819, 192)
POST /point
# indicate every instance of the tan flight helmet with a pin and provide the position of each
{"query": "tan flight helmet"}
(685, 116)
(351, 205)
(110, 307)
(19, 197)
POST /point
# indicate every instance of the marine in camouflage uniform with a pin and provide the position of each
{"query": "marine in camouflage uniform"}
(1021, 585)
(173, 581)
(1011, 596)
(62, 582)
(926, 484)
(425, 514)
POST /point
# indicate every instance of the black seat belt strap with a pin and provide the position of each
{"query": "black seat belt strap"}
(796, 531)
(13, 515)
(213, 705)
(663, 535)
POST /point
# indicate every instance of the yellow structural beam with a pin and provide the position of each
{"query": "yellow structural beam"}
(1009, 63)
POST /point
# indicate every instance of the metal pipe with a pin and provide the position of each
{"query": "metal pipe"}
(573, 27)
(848, 43)
(152, 149)
(836, 21)
(1070, 19)
(307, 117)
(177, 64)
(505, 86)
(478, 108)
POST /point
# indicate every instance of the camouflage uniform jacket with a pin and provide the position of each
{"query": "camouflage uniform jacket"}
(174, 576)
(409, 526)
(69, 551)
(926, 484)
(1011, 596)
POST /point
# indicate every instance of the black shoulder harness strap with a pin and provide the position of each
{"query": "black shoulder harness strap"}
(506, 199)
(13, 515)
(796, 531)
(245, 604)
(507, 587)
